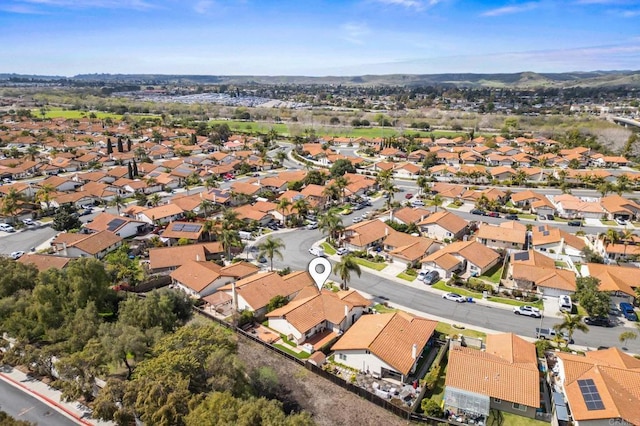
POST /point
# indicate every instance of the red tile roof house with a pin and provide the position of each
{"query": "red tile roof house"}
(96, 245)
(200, 279)
(468, 258)
(502, 377)
(161, 214)
(365, 235)
(253, 293)
(311, 313)
(443, 225)
(163, 260)
(385, 345)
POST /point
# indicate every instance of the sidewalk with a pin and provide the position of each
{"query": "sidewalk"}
(75, 411)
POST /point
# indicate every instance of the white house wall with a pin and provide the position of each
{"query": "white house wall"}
(362, 361)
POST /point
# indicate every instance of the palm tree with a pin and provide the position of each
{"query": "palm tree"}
(155, 200)
(211, 182)
(209, 228)
(331, 223)
(332, 192)
(230, 219)
(205, 205)
(117, 202)
(230, 238)
(625, 336)
(610, 237)
(344, 268)
(10, 204)
(282, 205)
(622, 184)
(570, 324)
(271, 247)
(437, 201)
(281, 156)
(423, 184)
(32, 151)
(302, 207)
(341, 182)
(44, 194)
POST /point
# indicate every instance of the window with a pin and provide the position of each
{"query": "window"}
(497, 400)
(519, 407)
(343, 357)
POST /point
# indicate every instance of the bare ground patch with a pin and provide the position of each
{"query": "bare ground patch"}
(329, 404)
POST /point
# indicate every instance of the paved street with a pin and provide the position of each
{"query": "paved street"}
(473, 314)
(23, 406)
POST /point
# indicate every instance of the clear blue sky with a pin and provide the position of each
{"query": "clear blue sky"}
(317, 37)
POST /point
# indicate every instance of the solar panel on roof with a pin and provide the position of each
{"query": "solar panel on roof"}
(115, 224)
(191, 228)
(178, 227)
(521, 256)
(540, 228)
(545, 233)
(590, 394)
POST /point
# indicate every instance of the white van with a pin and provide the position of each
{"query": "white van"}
(564, 303)
(245, 235)
(317, 251)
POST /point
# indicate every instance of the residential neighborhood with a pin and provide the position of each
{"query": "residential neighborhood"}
(506, 229)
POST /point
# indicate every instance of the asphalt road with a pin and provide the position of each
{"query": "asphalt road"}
(297, 257)
(24, 240)
(23, 406)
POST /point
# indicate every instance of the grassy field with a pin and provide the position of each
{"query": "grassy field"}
(406, 276)
(441, 285)
(513, 420)
(369, 264)
(383, 309)
(493, 275)
(449, 330)
(328, 248)
(76, 114)
(301, 355)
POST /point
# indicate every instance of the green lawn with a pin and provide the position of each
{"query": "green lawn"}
(449, 330)
(513, 420)
(527, 216)
(383, 309)
(369, 264)
(609, 222)
(561, 264)
(453, 206)
(406, 276)
(493, 275)
(301, 355)
(77, 114)
(328, 248)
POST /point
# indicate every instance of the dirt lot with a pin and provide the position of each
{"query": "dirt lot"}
(329, 404)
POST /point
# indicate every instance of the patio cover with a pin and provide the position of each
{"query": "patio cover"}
(470, 402)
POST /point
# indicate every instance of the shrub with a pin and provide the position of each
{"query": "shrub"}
(516, 293)
(411, 272)
(431, 378)
(430, 407)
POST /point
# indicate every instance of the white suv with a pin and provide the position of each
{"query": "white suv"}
(527, 310)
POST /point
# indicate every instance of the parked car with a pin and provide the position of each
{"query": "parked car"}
(574, 223)
(312, 225)
(87, 206)
(431, 277)
(262, 260)
(417, 202)
(493, 214)
(346, 212)
(28, 222)
(408, 196)
(564, 303)
(550, 334)
(16, 255)
(357, 219)
(454, 297)
(542, 217)
(621, 221)
(526, 310)
(317, 251)
(551, 217)
(421, 275)
(84, 212)
(342, 251)
(628, 311)
(6, 227)
(511, 216)
(478, 212)
(598, 321)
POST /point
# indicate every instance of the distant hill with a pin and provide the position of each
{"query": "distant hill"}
(511, 80)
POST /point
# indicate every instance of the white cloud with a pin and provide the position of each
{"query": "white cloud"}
(20, 8)
(409, 4)
(86, 4)
(203, 6)
(508, 10)
(355, 32)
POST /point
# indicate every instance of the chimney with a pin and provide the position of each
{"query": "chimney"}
(234, 296)
(197, 258)
(386, 231)
(414, 351)
(64, 249)
(391, 214)
(201, 195)
(346, 314)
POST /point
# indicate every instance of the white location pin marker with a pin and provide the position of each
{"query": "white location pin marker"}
(320, 269)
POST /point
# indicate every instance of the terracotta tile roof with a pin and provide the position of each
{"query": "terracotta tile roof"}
(618, 204)
(197, 275)
(541, 271)
(526, 195)
(307, 312)
(176, 229)
(104, 219)
(313, 190)
(411, 214)
(245, 188)
(390, 337)
(613, 277)
(508, 359)
(447, 220)
(616, 376)
(258, 289)
(43, 261)
(169, 257)
(95, 243)
(162, 211)
(414, 251)
(364, 233)
(248, 212)
(545, 234)
(239, 269)
(474, 252)
(501, 233)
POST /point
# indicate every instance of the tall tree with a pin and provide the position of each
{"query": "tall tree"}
(119, 144)
(118, 202)
(344, 268)
(109, 147)
(128, 144)
(331, 224)
(43, 195)
(130, 170)
(571, 323)
(135, 168)
(271, 247)
(283, 204)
